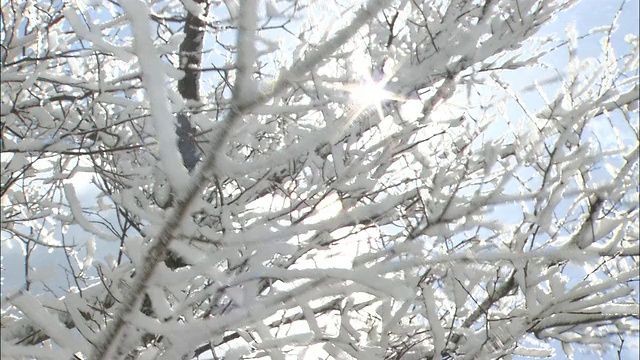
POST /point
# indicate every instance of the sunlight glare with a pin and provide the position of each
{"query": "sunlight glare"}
(369, 93)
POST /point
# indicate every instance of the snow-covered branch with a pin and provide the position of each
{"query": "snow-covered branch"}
(278, 179)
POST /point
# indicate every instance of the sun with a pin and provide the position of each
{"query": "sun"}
(368, 93)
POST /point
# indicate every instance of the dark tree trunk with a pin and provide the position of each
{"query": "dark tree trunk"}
(191, 54)
(189, 86)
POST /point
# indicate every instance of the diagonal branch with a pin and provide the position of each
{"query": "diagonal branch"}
(109, 340)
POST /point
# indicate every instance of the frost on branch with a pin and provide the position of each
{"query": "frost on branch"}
(370, 183)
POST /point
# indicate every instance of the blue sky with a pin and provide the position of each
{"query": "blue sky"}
(586, 15)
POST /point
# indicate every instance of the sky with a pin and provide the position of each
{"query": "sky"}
(586, 15)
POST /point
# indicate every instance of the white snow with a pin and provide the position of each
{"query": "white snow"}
(82, 32)
(246, 88)
(419, 190)
(271, 8)
(31, 308)
(154, 79)
(78, 214)
(194, 8)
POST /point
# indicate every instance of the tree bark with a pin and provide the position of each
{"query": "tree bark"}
(189, 86)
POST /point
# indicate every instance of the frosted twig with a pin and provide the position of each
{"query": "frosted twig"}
(154, 80)
(108, 341)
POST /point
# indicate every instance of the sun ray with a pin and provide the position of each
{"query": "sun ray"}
(370, 92)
